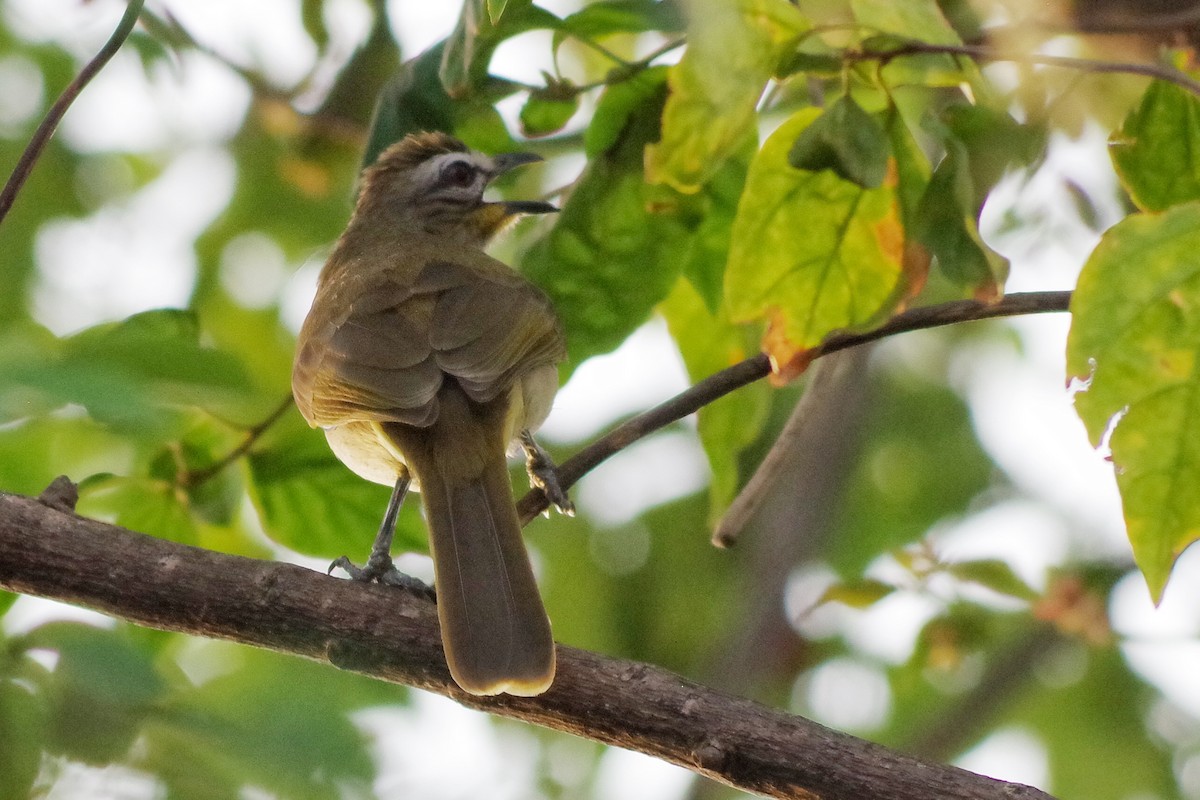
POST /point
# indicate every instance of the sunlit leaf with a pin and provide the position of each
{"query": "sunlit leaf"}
(1157, 150)
(734, 46)
(811, 253)
(1135, 339)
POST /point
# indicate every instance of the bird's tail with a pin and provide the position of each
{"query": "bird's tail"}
(494, 627)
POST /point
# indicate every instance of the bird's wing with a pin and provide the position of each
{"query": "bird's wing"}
(387, 356)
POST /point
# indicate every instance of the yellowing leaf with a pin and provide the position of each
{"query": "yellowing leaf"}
(1135, 336)
(811, 252)
(733, 48)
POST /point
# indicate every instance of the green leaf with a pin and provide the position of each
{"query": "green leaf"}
(496, 10)
(22, 725)
(413, 100)
(145, 505)
(860, 594)
(995, 574)
(609, 257)
(597, 20)
(309, 501)
(734, 46)
(249, 726)
(549, 110)
(101, 690)
(618, 103)
(1157, 150)
(915, 19)
(1135, 340)
(812, 253)
(827, 65)
(135, 375)
(844, 139)
(312, 15)
(22, 732)
(946, 225)
(468, 50)
(919, 20)
(708, 344)
(994, 143)
(912, 167)
(710, 215)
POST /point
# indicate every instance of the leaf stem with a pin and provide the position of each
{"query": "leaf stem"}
(758, 366)
(199, 476)
(49, 123)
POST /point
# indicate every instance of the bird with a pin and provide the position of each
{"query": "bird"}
(422, 359)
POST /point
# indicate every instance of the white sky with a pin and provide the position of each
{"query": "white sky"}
(135, 254)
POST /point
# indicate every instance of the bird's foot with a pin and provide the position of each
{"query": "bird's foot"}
(544, 475)
(379, 567)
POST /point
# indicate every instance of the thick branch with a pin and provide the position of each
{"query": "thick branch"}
(388, 634)
(759, 366)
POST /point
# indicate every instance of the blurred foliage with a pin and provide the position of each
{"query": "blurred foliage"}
(746, 170)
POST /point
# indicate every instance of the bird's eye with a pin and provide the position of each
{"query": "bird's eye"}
(458, 173)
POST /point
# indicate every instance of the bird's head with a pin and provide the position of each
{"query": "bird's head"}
(434, 183)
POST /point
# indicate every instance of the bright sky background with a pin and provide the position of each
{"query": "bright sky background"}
(136, 254)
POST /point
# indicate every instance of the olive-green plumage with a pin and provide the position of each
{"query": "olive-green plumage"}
(424, 355)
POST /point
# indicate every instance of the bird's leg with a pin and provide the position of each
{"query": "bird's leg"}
(544, 475)
(379, 566)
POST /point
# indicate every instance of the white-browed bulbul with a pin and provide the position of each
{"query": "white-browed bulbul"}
(422, 359)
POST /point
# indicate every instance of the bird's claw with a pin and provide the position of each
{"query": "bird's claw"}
(379, 568)
(543, 474)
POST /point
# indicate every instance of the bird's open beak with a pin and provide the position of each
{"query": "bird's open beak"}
(508, 161)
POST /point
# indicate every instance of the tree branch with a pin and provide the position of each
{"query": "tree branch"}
(49, 124)
(391, 635)
(759, 366)
(986, 53)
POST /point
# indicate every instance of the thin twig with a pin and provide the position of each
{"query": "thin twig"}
(986, 53)
(759, 366)
(198, 476)
(48, 125)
